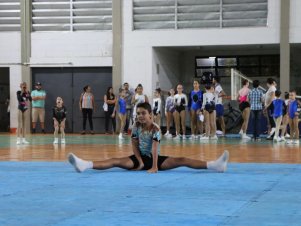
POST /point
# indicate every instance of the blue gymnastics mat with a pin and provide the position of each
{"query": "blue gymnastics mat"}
(52, 193)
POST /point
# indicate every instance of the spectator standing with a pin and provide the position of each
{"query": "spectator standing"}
(38, 107)
(244, 106)
(122, 112)
(219, 92)
(110, 115)
(23, 97)
(59, 114)
(169, 110)
(181, 102)
(269, 107)
(195, 106)
(87, 107)
(157, 107)
(255, 98)
(129, 107)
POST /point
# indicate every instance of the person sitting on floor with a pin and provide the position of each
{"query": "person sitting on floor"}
(146, 137)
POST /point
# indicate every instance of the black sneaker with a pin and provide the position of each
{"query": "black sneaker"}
(33, 131)
(83, 132)
(43, 131)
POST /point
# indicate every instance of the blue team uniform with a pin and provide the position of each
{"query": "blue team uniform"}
(122, 106)
(278, 107)
(293, 107)
(196, 100)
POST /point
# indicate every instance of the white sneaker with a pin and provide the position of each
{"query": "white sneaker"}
(56, 141)
(204, 138)
(196, 137)
(19, 141)
(241, 132)
(166, 134)
(287, 135)
(272, 131)
(63, 141)
(214, 138)
(282, 139)
(202, 135)
(244, 136)
(169, 136)
(192, 136)
(24, 141)
(120, 136)
(296, 142)
(289, 142)
(177, 137)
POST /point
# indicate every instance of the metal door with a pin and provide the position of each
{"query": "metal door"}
(4, 99)
(56, 82)
(68, 83)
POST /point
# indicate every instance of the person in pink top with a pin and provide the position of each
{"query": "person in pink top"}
(244, 106)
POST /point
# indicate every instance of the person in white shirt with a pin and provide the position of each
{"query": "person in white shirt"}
(169, 110)
(208, 107)
(180, 100)
(269, 107)
(219, 92)
(138, 98)
(157, 107)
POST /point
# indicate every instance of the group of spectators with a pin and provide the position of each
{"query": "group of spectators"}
(204, 106)
(281, 111)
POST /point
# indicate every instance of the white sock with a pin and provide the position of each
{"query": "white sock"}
(80, 165)
(219, 165)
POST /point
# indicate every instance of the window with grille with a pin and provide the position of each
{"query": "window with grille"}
(251, 66)
(10, 15)
(187, 14)
(71, 15)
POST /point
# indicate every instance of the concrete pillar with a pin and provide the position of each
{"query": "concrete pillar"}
(26, 45)
(285, 45)
(117, 44)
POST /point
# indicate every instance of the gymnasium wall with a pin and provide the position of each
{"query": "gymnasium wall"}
(166, 68)
(138, 56)
(10, 47)
(80, 48)
(295, 21)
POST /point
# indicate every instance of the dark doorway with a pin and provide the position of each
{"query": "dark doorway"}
(68, 83)
(4, 100)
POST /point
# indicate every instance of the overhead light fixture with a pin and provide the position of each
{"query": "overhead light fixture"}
(212, 58)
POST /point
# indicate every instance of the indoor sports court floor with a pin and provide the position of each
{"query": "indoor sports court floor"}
(262, 185)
